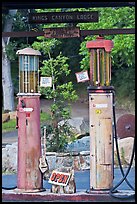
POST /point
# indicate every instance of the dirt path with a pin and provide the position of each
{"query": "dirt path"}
(80, 108)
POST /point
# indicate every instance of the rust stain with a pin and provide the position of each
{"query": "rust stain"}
(32, 170)
(126, 126)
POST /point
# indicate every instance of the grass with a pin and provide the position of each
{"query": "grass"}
(11, 124)
(126, 104)
(44, 117)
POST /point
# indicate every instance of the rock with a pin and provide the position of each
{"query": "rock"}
(66, 161)
(79, 145)
(9, 158)
(5, 117)
(84, 153)
(79, 160)
(125, 149)
(76, 163)
(13, 115)
(5, 160)
(51, 160)
(79, 125)
(84, 160)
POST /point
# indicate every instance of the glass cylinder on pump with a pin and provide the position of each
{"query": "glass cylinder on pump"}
(100, 61)
(28, 70)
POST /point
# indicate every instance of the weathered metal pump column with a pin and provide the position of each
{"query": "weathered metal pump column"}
(29, 177)
(100, 115)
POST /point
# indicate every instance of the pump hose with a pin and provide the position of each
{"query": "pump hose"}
(117, 149)
(5, 188)
(112, 190)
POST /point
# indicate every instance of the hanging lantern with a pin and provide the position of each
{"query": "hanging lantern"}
(28, 70)
(100, 61)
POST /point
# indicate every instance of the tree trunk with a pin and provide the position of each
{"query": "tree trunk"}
(8, 91)
(7, 85)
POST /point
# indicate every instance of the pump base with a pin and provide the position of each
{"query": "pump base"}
(10, 195)
(93, 191)
(17, 190)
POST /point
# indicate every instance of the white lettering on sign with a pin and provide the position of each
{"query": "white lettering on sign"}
(41, 18)
(61, 17)
(85, 17)
(28, 109)
(59, 178)
(46, 81)
(82, 76)
(25, 109)
(64, 17)
(100, 105)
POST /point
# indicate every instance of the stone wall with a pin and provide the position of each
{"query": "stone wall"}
(78, 160)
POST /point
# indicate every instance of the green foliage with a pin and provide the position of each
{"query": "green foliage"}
(59, 137)
(20, 21)
(45, 46)
(61, 92)
(15, 77)
(12, 48)
(19, 24)
(44, 117)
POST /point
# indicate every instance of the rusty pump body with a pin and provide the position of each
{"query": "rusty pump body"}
(100, 115)
(29, 176)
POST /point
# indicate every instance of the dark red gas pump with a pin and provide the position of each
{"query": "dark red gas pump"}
(100, 115)
(29, 176)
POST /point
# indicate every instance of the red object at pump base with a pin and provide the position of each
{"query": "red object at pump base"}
(100, 42)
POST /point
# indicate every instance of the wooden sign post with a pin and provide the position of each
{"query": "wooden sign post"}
(68, 32)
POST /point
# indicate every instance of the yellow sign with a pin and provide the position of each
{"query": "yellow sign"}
(98, 111)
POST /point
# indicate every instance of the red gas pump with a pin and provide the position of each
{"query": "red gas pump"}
(29, 176)
(100, 115)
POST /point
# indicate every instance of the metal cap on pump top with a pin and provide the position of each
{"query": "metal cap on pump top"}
(100, 42)
(28, 51)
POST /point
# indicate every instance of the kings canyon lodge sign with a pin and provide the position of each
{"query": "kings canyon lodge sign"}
(63, 17)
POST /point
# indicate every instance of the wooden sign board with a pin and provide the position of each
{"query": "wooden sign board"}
(68, 32)
(63, 17)
(59, 178)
